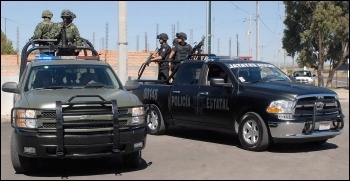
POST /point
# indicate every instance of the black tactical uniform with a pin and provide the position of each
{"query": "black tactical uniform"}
(164, 66)
(164, 52)
(182, 49)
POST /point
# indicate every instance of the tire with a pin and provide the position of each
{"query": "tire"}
(132, 160)
(20, 164)
(155, 121)
(253, 134)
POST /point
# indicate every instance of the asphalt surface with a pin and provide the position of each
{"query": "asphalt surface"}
(197, 155)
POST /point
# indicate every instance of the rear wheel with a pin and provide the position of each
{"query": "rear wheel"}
(132, 160)
(253, 134)
(155, 121)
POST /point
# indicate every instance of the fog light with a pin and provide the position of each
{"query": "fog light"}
(29, 150)
(138, 145)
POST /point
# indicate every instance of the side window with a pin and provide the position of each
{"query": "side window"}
(216, 72)
(190, 74)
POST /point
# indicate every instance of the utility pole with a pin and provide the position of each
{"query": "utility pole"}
(157, 34)
(191, 36)
(106, 42)
(137, 43)
(250, 34)
(5, 23)
(218, 46)
(237, 46)
(145, 41)
(123, 44)
(229, 47)
(208, 39)
(93, 39)
(17, 49)
(257, 30)
(173, 31)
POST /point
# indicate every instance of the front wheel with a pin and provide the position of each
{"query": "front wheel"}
(155, 121)
(253, 134)
(20, 164)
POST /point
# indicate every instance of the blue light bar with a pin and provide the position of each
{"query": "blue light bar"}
(45, 57)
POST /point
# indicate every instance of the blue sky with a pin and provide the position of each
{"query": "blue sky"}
(229, 19)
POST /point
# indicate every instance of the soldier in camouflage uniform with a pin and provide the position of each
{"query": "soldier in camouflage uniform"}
(43, 29)
(72, 32)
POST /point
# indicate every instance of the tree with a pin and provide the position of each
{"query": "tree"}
(6, 45)
(318, 31)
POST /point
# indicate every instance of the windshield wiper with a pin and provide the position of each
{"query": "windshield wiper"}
(50, 87)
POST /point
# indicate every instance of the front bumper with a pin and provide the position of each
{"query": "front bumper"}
(80, 145)
(286, 132)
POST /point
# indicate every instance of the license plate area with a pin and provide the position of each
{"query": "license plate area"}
(324, 125)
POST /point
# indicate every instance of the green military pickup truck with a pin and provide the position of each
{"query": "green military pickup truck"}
(72, 107)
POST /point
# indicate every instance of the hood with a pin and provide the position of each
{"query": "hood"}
(47, 98)
(288, 90)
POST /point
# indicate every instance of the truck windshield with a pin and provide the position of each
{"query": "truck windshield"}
(256, 72)
(71, 76)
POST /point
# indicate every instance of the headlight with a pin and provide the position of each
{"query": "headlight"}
(26, 118)
(280, 106)
(138, 115)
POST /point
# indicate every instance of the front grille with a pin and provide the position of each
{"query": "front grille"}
(53, 114)
(326, 105)
(53, 125)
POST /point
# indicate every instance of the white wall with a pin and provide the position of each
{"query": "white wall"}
(7, 98)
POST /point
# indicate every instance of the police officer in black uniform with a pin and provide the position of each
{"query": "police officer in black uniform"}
(163, 54)
(181, 50)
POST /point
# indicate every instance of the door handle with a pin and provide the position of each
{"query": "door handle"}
(176, 92)
(203, 93)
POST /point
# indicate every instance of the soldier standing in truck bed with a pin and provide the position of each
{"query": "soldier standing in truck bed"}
(72, 33)
(180, 51)
(163, 54)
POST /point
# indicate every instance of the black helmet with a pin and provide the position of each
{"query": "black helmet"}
(66, 13)
(163, 36)
(175, 41)
(181, 35)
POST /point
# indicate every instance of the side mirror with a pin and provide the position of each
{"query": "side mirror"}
(11, 87)
(131, 85)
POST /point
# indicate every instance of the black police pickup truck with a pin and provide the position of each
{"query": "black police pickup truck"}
(253, 99)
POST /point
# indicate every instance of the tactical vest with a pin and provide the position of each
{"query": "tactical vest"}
(182, 52)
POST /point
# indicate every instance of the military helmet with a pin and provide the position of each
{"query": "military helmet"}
(66, 13)
(163, 36)
(175, 41)
(73, 15)
(181, 35)
(47, 13)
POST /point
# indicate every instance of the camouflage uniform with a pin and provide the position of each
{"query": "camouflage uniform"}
(43, 29)
(72, 32)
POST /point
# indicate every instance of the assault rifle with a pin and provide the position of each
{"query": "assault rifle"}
(196, 50)
(146, 63)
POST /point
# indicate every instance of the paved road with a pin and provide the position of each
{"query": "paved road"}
(197, 154)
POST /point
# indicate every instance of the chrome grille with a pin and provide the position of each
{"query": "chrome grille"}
(305, 105)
